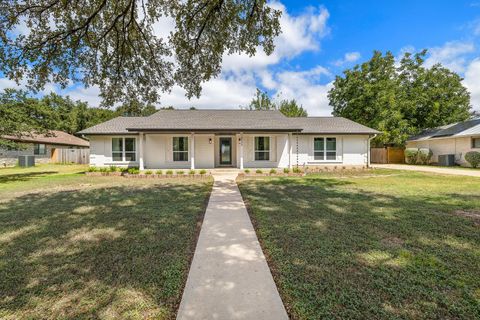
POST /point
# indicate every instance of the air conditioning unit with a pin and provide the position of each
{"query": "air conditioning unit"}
(446, 160)
(26, 161)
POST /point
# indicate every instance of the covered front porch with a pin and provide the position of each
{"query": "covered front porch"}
(208, 150)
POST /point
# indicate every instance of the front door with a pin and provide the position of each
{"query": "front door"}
(225, 151)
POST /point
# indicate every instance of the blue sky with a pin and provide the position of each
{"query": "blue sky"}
(322, 38)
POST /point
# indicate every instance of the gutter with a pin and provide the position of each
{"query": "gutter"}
(368, 149)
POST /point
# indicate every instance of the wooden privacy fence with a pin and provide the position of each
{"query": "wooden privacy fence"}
(63, 155)
(387, 155)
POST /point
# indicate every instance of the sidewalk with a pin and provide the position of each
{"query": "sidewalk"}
(229, 277)
(441, 170)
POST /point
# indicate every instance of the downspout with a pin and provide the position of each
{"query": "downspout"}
(368, 149)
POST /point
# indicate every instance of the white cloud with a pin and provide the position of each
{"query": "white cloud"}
(349, 57)
(451, 55)
(472, 82)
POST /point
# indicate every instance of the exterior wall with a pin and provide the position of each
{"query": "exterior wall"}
(10, 157)
(457, 146)
(352, 150)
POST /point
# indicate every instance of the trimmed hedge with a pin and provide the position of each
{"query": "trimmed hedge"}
(473, 157)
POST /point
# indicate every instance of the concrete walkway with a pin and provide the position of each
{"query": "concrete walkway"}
(433, 169)
(229, 277)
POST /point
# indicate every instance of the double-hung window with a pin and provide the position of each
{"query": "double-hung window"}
(476, 143)
(324, 149)
(180, 148)
(124, 149)
(39, 149)
(262, 148)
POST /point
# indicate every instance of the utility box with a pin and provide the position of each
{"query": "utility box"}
(446, 160)
(26, 161)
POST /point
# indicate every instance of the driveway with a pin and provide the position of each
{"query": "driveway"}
(442, 170)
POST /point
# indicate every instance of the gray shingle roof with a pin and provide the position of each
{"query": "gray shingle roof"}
(453, 129)
(227, 120)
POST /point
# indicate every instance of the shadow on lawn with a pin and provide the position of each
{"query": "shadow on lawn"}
(117, 252)
(342, 252)
(14, 177)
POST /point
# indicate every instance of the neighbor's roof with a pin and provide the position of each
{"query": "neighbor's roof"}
(459, 129)
(227, 120)
(53, 137)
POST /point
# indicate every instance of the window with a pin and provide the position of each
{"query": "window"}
(262, 148)
(475, 143)
(39, 149)
(180, 148)
(124, 149)
(324, 149)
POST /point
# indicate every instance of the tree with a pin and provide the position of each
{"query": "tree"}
(261, 101)
(113, 44)
(135, 108)
(290, 108)
(399, 100)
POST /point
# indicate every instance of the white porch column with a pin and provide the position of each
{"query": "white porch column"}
(290, 151)
(140, 151)
(241, 150)
(192, 152)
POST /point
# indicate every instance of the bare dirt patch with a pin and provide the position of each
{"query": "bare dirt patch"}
(393, 242)
(471, 214)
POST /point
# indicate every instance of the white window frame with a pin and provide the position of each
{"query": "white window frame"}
(473, 142)
(325, 150)
(187, 152)
(123, 152)
(269, 148)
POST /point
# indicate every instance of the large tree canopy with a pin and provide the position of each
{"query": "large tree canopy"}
(290, 108)
(399, 99)
(113, 44)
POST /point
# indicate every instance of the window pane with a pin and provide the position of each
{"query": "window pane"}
(262, 155)
(319, 155)
(39, 149)
(476, 143)
(180, 143)
(117, 156)
(318, 144)
(262, 143)
(331, 144)
(129, 144)
(117, 144)
(331, 155)
(130, 156)
(180, 156)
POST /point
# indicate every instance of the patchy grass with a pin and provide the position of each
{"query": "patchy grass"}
(372, 245)
(78, 247)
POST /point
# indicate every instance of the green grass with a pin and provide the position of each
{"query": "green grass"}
(371, 245)
(79, 247)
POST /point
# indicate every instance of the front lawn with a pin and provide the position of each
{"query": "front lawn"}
(78, 247)
(373, 245)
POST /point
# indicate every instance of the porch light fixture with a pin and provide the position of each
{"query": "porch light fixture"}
(209, 140)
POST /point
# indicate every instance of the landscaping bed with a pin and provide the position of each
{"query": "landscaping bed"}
(373, 244)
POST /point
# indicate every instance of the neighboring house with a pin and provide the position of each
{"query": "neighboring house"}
(228, 138)
(45, 147)
(457, 138)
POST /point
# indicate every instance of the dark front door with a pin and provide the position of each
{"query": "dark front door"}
(225, 151)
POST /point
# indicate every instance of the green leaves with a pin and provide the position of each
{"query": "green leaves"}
(399, 100)
(290, 108)
(113, 44)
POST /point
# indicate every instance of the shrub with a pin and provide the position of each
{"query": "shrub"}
(103, 169)
(133, 171)
(203, 171)
(258, 171)
(246, 170)
(411, 155)
(113, 168)
(273, 171)
(297, 170)
(169, 172)
(424, 156)
(286, 170)
(473, 157)
(159, 172)
(92, 169)
(191, 172)
(180, 172)
(124, 169)
(149, 172)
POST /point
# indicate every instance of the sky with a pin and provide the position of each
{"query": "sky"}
(320, 39)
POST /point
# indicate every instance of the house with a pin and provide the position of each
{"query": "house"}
(190, 139)
(45, 147)
(456, 138)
